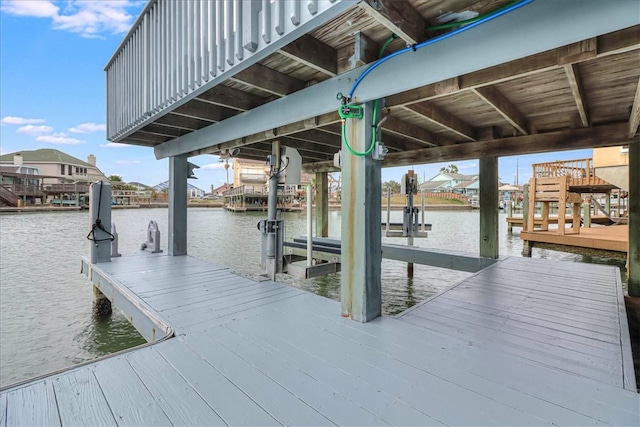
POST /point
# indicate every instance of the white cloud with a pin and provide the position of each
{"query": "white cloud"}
(10, 120)
(87, 18)
(127, 162)
(34, 130)
(213, 166)
(34, 8)
(58, 139)
(88, 128)
(114, 145)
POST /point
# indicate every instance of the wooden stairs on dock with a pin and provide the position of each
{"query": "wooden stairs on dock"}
(561, 183)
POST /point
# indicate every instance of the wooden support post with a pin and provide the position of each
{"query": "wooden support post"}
(562, 206)
(525, 209)
(607, 203)
(531, 205)
(489, 207)
(178, 172)
(633, 259)
(322, 204)
(101, 304)
(586, 214)
(361, 290)
(545, 216)
(576, 218)
(527, 247)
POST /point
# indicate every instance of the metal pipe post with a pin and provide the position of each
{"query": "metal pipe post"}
(100, 226)
(309, 226)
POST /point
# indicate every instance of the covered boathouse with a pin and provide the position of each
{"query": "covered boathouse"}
(385, 83)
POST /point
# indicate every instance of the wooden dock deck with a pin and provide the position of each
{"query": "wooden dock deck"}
(522, 342)
(611, 238)
(517, 221)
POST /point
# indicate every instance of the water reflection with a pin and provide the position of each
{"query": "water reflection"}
(105, 336)
(45, 309)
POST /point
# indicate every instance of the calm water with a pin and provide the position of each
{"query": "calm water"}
(45, 303)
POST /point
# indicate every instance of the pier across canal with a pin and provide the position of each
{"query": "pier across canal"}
(524, 341)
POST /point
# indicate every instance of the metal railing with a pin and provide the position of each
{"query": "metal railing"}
(178, 49)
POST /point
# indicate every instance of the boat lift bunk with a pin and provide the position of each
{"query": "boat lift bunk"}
(318, 256)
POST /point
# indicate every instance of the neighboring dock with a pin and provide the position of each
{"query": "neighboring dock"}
(611, 238)
(524, 341)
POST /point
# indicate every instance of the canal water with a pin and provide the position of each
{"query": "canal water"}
(45, 303)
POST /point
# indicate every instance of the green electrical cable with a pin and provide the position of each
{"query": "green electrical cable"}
(375, 114)
(470, 20)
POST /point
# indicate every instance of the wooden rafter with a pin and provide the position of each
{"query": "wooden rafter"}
(400, 17)
(268, 80)
(204, 111)
(182, 122)
(504, 107)
(571, 139)
(608, 44)
(575, 83)
(313, 53)
(232, 98)
(411, 131)
(634, 119)
(433, 114)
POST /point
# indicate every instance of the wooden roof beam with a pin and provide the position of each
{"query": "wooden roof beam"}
(411, 131)
(634, 118)
(182, 122)
(268, 80)
(229, 97)
(571, 139)
(323, 149)
(318, 137)
(608, 44)
(204, 111)
(575, 83)
(400, 17)
(438, 116)
(502, 105)
(313, 53)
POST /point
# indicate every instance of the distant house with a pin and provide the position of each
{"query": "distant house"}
(56, 167)
(139, 186)
(193, 192)
(47, 173)
(454, 182)
(220, 190)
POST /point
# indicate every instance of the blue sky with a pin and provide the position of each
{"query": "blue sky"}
(52, 92)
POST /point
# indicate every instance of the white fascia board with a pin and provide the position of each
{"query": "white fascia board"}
(534, 28)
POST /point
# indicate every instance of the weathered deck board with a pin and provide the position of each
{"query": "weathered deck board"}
(214, 387)
(181, 403)
(32, 406)
(524, 342)
(453, 360)
(80, 400)
(130, 401)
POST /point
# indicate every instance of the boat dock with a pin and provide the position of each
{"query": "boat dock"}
(611, 238)
(522, 342)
